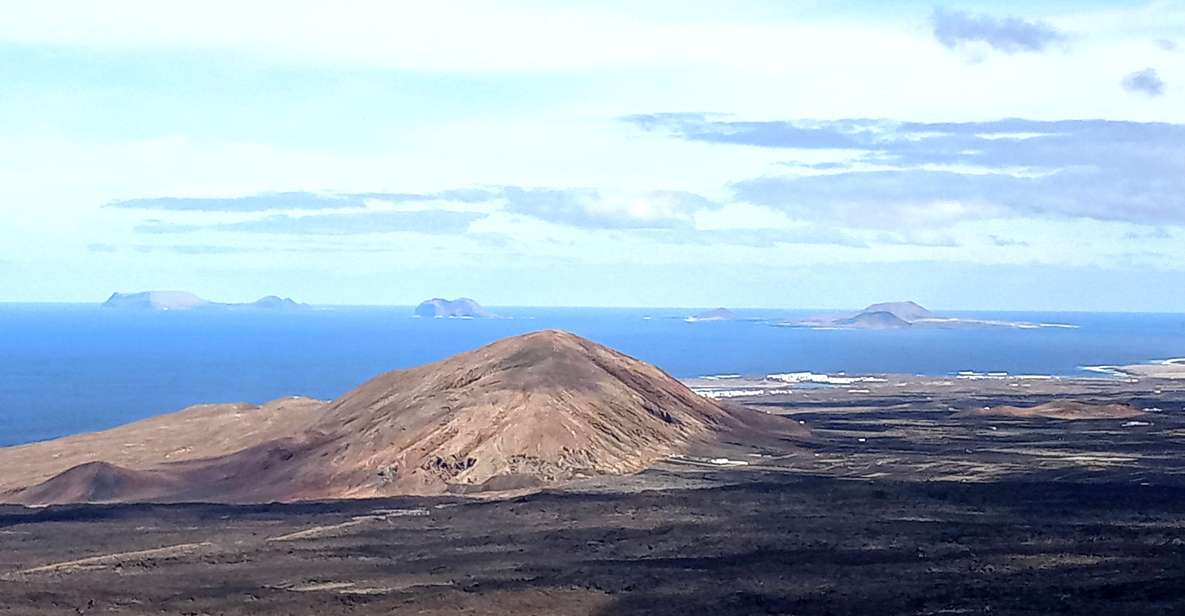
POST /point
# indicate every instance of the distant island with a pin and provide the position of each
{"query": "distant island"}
(460, 308)
(906, 311)
(183, 300)
(872, 319)
(904, 315)
(716, 314)
(275, 302)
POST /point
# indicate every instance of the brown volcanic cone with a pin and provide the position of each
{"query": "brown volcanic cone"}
(527, 410)
(98, 482)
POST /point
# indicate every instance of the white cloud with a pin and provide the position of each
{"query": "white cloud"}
(579, 70)
(463, 35)
(742, 216)
(722, 63)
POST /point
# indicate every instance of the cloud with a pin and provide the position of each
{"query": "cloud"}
(297, 201)
(873, 199)
(812, 235)
(806, 235)
(445, 212)
(806, 135)
(468, 36)
(918, 238)
(1166, 44)
(1146, 81)
(575, 207)
(183, 249)
(588, 208)
(1156, 233)
(353, 223)
(1004, 242)
(955, 28)
(192, 249)
(943, 172)
(252, 203)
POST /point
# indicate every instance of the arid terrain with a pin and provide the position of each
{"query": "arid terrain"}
(898, 495)
(522, 412)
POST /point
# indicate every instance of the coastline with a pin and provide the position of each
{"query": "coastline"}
(1164, 369)
(781, 385)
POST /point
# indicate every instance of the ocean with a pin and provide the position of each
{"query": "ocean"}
(74, 368)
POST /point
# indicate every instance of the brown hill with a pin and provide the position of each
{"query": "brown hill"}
(198, 432)
(527, 410)
(99, 482)
(1061, 409)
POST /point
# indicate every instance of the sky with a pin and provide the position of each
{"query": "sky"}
(781, 154)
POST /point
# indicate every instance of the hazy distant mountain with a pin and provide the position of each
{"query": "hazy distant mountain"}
(899, 315)
(182, 300)
(462, 307)
(156, 300)
(272, 302)
(906, 311)
(877, 319)
(885, 315)
(716, 314)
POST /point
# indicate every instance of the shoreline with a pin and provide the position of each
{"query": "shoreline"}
(859, 385)
(1161, 369)
(735, 385)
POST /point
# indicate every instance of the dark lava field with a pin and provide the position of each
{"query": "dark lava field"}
(893, 506)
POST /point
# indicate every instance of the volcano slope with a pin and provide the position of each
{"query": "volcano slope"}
(522, 412)
(198, 432)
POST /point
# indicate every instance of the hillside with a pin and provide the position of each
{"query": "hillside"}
(524, 411)
(202, 431)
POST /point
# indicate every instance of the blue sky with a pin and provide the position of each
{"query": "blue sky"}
(760, 154)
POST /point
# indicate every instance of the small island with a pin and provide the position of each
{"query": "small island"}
(183, 300)
(273, 302)
(905, 311)
(716, 314)
(907, 315)
(873, 319)
(460, 308)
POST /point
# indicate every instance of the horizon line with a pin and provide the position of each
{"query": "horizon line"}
(632, 307)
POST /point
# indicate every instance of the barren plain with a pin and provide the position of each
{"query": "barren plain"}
(896, 502)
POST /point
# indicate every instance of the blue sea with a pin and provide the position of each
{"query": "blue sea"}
(74, 368)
